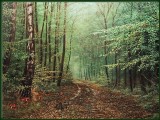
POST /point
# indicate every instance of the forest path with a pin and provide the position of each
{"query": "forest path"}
(83, 99)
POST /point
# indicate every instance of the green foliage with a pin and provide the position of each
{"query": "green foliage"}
(156, 116)
(14, 76)
(131, 36)
(12, 79)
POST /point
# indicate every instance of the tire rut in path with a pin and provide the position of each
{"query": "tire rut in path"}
(91, 102)
(113, 104)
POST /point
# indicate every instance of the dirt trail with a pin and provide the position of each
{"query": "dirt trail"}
(88, 100)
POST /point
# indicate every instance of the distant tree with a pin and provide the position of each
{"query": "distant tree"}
(104, 10)
(41, 35)
(46, 36)
(49, 33)
(55, 43)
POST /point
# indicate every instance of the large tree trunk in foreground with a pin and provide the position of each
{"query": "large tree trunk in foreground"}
(30, 61)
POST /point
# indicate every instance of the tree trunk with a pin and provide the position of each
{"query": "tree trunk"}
(64, 45)
(46, 40)
(125, 78)
(157, 66)
(70, 47)
(130, 80)
(41, 41)
(30, 62)
(106, 61)
(105, 48)
(130, 71)
(55, 46)
(116, 71)
(142, 83)
(7, 55)
(49, 34)
(134, 76)
(119, 74)
(23, 22)
(59, 36)
(36, 21)
(26, 35)
(36, 30)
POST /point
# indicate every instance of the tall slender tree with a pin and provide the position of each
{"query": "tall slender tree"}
(49, 33)
(70, 44)
(41, 35)
(55, 46)
(46, 39)
(64, 45)
(104, 10)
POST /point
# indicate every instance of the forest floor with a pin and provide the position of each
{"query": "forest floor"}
(82, 99)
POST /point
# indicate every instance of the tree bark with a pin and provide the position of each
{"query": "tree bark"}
(106, 60)
(125, 78)
(130, 71)
(134, 76)
(49, 34)
(70, 46)
(41, 35)
(119, 74)
(64, 45)
(59, 36)
(116, 70)
(46, 40)
(142, 83)
(157, 66)
(55, 46)
(30, 62)
(36, 21)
